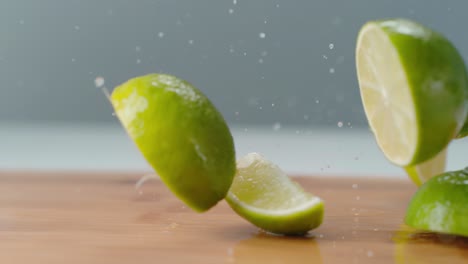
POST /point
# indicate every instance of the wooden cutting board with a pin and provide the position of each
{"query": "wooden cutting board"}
(103, 218)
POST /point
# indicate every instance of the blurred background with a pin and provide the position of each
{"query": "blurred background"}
(281, 72)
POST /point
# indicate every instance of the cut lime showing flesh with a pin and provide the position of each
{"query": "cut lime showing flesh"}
(422, 172)
(440, 205)
(181, 134)
(414, 89)
(265, 196)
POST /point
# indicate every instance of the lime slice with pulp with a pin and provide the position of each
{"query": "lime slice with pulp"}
(414, 89)
(265, 196)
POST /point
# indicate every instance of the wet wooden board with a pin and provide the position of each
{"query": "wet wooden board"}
(103, 218)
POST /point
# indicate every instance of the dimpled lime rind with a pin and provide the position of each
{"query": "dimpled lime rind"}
(441, 204)
(181, 134)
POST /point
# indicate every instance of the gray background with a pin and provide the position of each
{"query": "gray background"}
(51, 52)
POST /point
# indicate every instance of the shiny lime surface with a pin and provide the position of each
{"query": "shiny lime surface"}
(181, 134)
(441, 204)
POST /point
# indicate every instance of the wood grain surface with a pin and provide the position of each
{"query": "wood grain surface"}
(103, 218)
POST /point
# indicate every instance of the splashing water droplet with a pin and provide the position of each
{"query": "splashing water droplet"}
(332, 70)
(77, 27)
(370, 254)
(324, 57)
(138, 61)
(230, 11)
(306, 117)
(317, 101)
(161, 34)
(99, 82)
(340, 124)
(355, 186)
(190, 42)
(137, 48)
(262, 35)
(331, 46)
(260, 60)
(234, 2)
(276, 126)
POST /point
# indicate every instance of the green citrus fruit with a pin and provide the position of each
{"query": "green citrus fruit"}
(414, 89)
(441, 204)
(181, 134)
(265, 196)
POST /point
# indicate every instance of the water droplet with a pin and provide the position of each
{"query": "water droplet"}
(325, 57)
(161, 34)
(370, 254)
(99, 82)
(264, 53)
(332, 70)
(331, 46)
(138, 61)
(245, 53)
(355, 186)
(190, 42)
(77, 27)
(340, 124)
(260, 60)
(317, 101)
(234, 2)
(358, 198)
(272, 104)
(276, 126)
(277, 5)
(262, 35)
(376, 229)
(306, 117)
(230, 11)
(73, 60)
(137, 48)
(236, 113)
(21, 22)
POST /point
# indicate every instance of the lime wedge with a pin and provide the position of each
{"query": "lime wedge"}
(265, 196)
(422, 172)
(414, 89)
(440, 205)
(181, 134)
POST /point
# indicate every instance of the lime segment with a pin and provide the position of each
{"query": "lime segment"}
(440, 205)
(181, 134)
(265, 196)
(414, 89)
